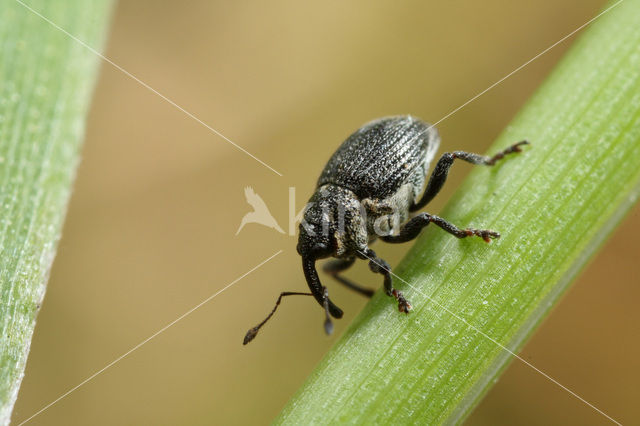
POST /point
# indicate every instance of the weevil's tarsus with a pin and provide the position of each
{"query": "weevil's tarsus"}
(328, 325)
(486, 234)
(380, 266)
(251, 334)
(510, 150)
(334, 267)
(403, 304)
(441, 170)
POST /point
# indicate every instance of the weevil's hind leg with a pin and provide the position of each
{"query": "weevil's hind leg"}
(440, 172)
(379, 266)
(251, 334)
(334, 267)
(412, 229)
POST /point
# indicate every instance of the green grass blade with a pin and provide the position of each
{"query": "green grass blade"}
(554, 205)
(46, 79)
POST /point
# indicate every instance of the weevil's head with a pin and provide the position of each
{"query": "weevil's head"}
(316, 239)
(332, 224)
(320, 237)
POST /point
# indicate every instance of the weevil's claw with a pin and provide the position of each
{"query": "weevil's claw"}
(516, 147)
(403, 304)
(486, 234)
(251, 334)
(328, 326)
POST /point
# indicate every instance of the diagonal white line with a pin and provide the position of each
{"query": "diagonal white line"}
(147, 86)
(494, 341)
(136, 347)
(527, 63)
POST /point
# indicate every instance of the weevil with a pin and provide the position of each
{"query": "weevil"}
(370, 189)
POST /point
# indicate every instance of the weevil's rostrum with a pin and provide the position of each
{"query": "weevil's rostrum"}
(368, 190)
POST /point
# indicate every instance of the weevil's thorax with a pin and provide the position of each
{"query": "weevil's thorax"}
(333, 224)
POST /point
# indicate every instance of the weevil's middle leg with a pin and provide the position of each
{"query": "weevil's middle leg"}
(440, 172)
(334, 267)
(412, 228)
(379, 266)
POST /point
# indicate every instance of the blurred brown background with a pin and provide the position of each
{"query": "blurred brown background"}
(158, 199)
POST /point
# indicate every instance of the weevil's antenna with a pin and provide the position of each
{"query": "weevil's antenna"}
(328, 324)
(251, 334)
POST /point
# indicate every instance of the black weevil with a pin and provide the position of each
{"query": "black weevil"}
(368, 190)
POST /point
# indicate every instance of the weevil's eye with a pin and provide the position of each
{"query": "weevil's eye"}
(312, 249)
(320, 250)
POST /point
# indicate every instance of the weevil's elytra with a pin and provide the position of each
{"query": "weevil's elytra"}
(368, 190)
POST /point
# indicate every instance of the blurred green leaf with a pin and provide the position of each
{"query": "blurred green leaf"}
(46, 79)
(554, 205)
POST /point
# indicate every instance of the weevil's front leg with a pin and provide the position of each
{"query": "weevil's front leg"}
(440, 172)
(379, 266)
(334, 267)
(412, 228)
